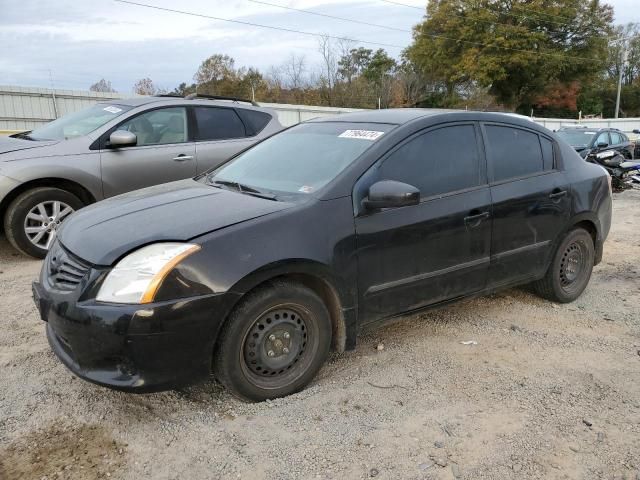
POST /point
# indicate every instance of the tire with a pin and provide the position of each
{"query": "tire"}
(255, 367)
(570, 269)
(16, 221)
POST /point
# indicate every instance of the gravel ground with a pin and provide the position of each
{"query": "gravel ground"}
(549, 391)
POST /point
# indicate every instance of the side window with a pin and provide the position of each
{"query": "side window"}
(218, 123)
(439, 161)
(254, 120)
(616, 138)
(602, 138)
(158, 127)
(513, 152)
(547, 153)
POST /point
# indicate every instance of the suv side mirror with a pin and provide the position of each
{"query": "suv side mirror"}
(122, 138)
(602, 145)
(391, 194)
(636, 131)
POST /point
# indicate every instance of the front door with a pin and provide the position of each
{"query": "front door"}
(437, 250)
(531, 202)
(163, 152)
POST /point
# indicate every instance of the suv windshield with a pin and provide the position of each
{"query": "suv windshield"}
(576, 138)
(302, 159)
(78, 123)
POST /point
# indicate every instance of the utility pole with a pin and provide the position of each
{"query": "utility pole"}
(625, 56)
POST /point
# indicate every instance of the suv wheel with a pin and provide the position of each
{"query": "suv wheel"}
(274, 343)
(34, 217)
(570, 270)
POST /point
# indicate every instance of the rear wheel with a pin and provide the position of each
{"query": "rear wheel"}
(274, 343)
(34, 217)
(570, 269)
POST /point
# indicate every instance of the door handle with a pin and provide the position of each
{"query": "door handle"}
(475, 219)
(558, 194)
(182, 157)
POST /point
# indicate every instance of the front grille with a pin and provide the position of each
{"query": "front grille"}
(64, 271)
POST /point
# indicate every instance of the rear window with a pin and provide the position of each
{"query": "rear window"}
(254, 120)
(218, 123)
(513, 152)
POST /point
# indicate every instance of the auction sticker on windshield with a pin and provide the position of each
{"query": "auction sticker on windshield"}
(112, 109)
(361, 134)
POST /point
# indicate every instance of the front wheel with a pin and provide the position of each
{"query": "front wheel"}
(274, 343)
(570, 269)
(33, 218)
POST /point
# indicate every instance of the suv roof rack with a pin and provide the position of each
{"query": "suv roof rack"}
(192, 96)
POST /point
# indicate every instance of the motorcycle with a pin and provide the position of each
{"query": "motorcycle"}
(625, 174)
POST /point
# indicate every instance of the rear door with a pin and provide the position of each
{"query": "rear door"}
(220, 134)
(163, 153)
(419, 255)
(531, 201)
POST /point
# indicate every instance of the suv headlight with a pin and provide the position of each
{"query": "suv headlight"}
(138, 276)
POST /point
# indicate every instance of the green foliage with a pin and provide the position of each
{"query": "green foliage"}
(506, 46)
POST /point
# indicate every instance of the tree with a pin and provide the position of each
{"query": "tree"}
(216, 68)
(102, 85)
(379, 72)
(353, 63)
(628, 37)
(145, 86)
(183, 89)
(515, 48)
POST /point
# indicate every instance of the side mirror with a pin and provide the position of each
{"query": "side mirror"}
(391, 194)
(636, 131)
(602, 145)
(122, 138)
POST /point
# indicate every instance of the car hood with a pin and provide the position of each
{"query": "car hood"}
(8, 144)
(176, 211)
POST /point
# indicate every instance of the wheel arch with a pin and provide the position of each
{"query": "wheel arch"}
(313, 275)
(62, 183)
(589, 222)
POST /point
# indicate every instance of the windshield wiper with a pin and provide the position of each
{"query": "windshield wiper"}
(24, 135)
(245, 189)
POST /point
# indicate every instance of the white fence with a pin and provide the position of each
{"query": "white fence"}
(627, 125)
(23, 108)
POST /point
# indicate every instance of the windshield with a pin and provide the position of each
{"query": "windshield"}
(576, 138)
(302, 159)
(78, 123)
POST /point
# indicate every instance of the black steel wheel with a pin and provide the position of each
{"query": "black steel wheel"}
(570, 269)
(274, 343)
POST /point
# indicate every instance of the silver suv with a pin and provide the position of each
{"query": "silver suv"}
(112, 148)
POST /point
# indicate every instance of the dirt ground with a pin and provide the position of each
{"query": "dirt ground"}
(549, 391)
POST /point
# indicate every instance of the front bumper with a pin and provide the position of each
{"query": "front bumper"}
(139, 348)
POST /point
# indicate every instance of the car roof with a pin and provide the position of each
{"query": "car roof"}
(168, 100)
(585, 127)
(399, 116)
(395, 116)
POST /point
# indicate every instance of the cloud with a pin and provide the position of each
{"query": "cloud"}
(83, 41)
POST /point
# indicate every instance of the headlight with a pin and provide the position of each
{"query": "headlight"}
(138, 276)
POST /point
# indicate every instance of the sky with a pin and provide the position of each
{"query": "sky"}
(74, 43)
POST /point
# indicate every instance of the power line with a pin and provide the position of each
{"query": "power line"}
(326, 15)
(335, 17)
(251, 24)
(442, 37)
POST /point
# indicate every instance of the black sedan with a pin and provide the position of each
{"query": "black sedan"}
(257, 269)
(589, 141)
